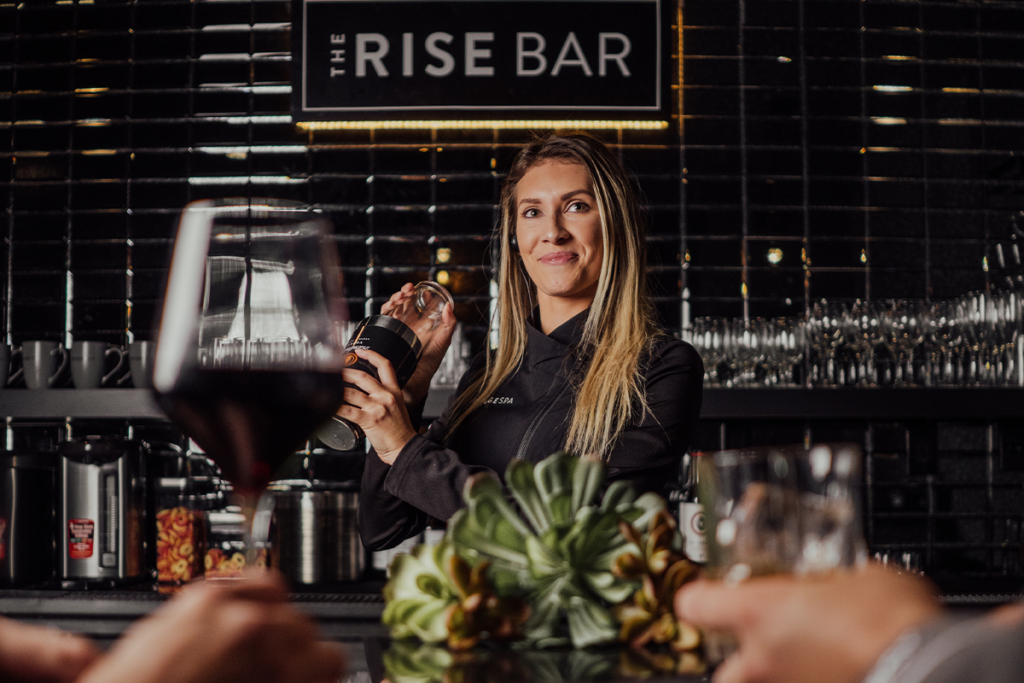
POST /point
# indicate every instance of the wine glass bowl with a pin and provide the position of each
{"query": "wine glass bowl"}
(249, 349)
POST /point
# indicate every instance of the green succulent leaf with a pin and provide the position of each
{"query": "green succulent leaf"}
(521, 482)
(589, 623)
(619, 495)
(587, 480)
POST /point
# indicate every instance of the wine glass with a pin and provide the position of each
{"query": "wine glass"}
(249, 351)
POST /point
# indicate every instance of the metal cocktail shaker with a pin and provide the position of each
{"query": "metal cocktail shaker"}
(400, 337)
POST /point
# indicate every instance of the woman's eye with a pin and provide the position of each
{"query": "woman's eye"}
(578, 206)
(530, 213)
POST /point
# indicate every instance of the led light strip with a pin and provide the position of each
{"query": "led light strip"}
(362, 125)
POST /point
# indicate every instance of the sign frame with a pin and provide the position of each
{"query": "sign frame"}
(653, 112)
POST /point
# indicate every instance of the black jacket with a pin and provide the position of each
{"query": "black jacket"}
(528, 417)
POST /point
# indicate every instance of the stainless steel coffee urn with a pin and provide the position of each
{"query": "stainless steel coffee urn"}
(103, 509)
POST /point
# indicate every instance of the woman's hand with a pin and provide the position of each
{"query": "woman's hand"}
(430, 360)
(222, 631)
(42, 655)
(378, 407)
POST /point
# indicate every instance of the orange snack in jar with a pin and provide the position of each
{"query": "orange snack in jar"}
(176, 545)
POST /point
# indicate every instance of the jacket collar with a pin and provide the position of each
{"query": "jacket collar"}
(542, 347)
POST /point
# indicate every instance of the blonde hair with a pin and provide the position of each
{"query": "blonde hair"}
(620, 325)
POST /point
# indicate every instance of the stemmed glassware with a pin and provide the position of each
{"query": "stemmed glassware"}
(250, 345)
(710, 336)
(974, 340)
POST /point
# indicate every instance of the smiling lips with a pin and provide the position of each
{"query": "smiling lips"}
(558, 258)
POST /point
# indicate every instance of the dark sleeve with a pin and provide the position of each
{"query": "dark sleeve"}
(649, 452)
(426, 481)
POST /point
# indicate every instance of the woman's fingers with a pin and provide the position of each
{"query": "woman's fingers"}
(404, 293)
(385, 371)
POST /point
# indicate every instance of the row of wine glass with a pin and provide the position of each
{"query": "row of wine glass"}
(973, 340)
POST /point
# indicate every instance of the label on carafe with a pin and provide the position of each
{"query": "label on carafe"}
(691, 521)
(388, 344)
(80, 538)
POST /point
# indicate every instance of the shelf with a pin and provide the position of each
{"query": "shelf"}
(80, 403)
(719, 404)
(936, 403)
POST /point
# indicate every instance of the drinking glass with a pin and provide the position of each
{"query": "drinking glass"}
(748, 356)
(780, 509)
(249, 349)
(824, 337)
(710, 337)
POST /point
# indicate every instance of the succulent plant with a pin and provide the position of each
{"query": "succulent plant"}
(558, 554)
(419, 594)
(480, 611)
(434, 595)
(648, 617)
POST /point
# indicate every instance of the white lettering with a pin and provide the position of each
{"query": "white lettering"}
(474, 53)
(375, 57)
(337, 39)
(563, 56)
(447, 61)
(407, 54)
(537, 53)
(605, 56)
(337, 72)
(339, 56)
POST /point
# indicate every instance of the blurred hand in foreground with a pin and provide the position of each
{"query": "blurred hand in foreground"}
(222, 631)
(42, 655)
(808, 629)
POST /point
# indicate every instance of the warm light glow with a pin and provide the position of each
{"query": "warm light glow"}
(775, 256)
(81, 91)
(892, 88)
(442, 277)
(239, 180)
(889, 120)
(444, 255)
(495, 124)
(899, 58)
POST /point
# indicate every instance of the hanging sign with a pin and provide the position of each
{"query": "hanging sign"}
(479, 59)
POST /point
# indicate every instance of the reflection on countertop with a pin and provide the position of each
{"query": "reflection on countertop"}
(376, 660)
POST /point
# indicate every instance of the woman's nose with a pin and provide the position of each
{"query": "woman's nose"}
(555, 230)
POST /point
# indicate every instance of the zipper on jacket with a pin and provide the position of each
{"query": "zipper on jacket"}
(536, 423)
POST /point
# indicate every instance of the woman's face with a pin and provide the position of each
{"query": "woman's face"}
(558, 226)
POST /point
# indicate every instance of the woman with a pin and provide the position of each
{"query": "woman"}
(579, 364)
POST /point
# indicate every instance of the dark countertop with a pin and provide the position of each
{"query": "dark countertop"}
(351, 612)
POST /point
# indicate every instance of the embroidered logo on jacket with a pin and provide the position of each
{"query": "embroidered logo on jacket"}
(500, 400)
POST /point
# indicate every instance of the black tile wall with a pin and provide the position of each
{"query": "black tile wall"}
(878, 144)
